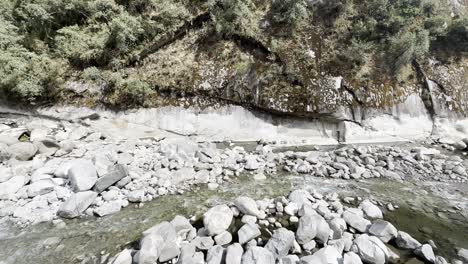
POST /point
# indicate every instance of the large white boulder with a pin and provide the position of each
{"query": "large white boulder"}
(40, 187)
(258, 255)
(217, 219)
(280, 242)
(82, 175)
(370, 249)
(23, 150)
(247, 206)
(77, 204)
(11, 186)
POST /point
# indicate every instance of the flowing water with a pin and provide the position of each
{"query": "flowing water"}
(419, 215)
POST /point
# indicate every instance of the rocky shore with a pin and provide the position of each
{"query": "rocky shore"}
(306, 228)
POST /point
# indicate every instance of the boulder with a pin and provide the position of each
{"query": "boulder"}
(405, 241)
(248, 232)
(8, 140)
(215, 255)
(40, 187)
(234, 254)
(370, 249)
(257, 255)
(326, 255)
(356, 221)
(383, 230)
(280, 242)
(11, 186)
(124, 257)
(217, 219)
(108, 208)
(290, 259)
(117, 173)
(300, 197)
(22, 150)
(203, 243)
(247, 206)
(5, 173)
(82, 175)
(77, 204)
(426, 253)
(307, 229)
(371, 210)
(162, 239)
(223, 238)
(463, 254)
(351, 258)
(182, 226)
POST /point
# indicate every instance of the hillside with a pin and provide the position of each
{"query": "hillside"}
(305, 57)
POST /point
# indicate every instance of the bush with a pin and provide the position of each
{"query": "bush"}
(288, 12)
(235, 17)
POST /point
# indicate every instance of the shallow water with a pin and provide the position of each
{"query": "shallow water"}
(91, 236)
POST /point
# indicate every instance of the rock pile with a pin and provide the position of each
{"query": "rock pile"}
(69, 171)
(306, 228)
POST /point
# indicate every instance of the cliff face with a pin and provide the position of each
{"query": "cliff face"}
(334, 60)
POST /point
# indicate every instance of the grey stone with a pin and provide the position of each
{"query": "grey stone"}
(326, 255)
(82, 175)
(234, 254)
(356, 221)
(217, 219)
(371, 249)
(223, 238)
(203, 243)
(117, 173)
(123, 257)
(290, 259)
(300, 197)
(425, 252)
(215, 255)
(280, 242)
(22, 150)
(248, 232)
(77, 204)
(405, 241)
(463, 254)
(371, 210)
(247, 206)
(383, 230)
(40, 187)
(11, 186)
(108, 208)
(257, 255)
(351, 258)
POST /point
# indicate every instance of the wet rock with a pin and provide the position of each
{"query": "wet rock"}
(370, 249)
(280, 242)
(82, 175)
(425, 252)
(217, 219)
(22, 151)
(234, 254)
(383, 230)
(248, 232)
(257, 255)
(117, 173)
(77, 204)
(405, 241)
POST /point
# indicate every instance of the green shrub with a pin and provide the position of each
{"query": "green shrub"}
(235, 17)
(288, 12)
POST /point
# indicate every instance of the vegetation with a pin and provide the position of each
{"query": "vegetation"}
(45, 43)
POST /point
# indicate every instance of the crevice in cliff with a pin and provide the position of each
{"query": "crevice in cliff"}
(426, 93)
(168, 39)
(255, 47)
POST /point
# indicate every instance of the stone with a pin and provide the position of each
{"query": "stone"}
(108, 208)
(257, 255)
(300, 197)
(162, 239)
(40, 187)
(203, 243)
(215, 255)
(150, 249)
(405, 241)
(22, 150)
(384, 230)
(136, 196)
(370, 249)
(248, 232)
(117, 173)
(8, 140)
(182, 226)
(425, 252)
(79, 133)
(11, 186)
(338, 226)
(5, 174)
(280, 242)
(217, 219)
(351, 258)
(223, 239)
(82, 175)
(251, 163)
(102, 164)
(309, 246)
(440, 260)
(169, 251)
(310, 227)
(291, 209)
(290, 259)
(371, 210)
(76, 204)
(463, 254)
(356, 221)
(247, 206)
(326, 255)
(124, 257)
(234, 254)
